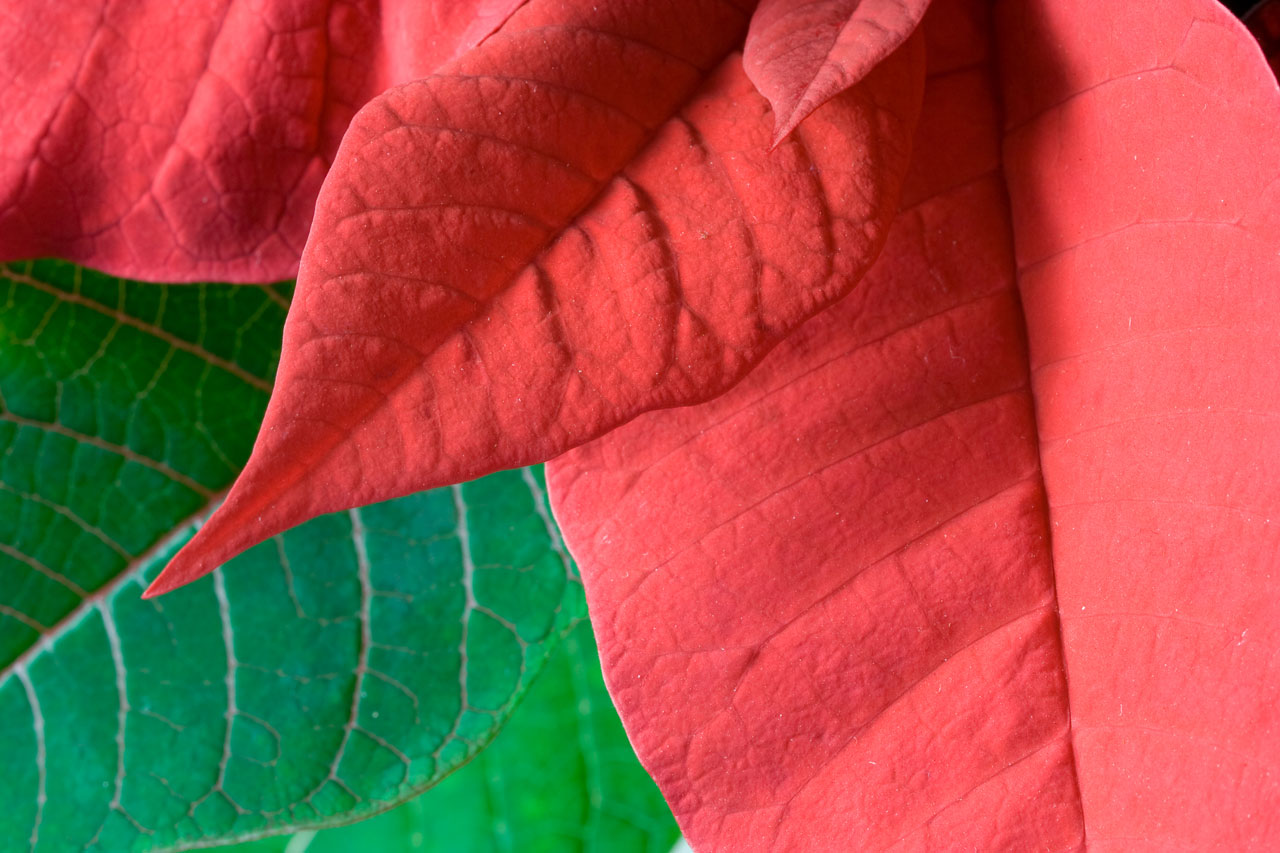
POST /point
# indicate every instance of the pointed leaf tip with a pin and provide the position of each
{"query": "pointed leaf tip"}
(800, 54)
(158, 587)
(545, 276)
(242, 521)
(178, 573)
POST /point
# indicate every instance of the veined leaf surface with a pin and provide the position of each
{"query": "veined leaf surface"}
(560, 778)
(187, 141)
(987, 556)
(801, 53)
(335, 670)
(593, 227)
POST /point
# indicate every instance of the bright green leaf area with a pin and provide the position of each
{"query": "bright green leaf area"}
(329, 673)
(560, 778)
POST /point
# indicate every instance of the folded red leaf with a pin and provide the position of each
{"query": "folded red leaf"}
(872, 598)
(1143, 156)
(576, 222)
(187, 141)
(802, 53)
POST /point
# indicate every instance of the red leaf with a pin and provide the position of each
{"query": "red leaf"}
(187, 141)
(519, 254)
(828, 602)
(801, 53)
(1145, 179)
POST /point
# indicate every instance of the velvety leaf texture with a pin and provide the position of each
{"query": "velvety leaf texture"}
(331, 672)
(187, 141)
(801, 53)
(602, 231)
(985, 557)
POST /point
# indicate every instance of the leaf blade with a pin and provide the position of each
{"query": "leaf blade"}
(1147, 716)
(300, 691)
(391, 350)
(210, 170)
(565, 729)
(800, 55)
(1153, 322)
(867, 558)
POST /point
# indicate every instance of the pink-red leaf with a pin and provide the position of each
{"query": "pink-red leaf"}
(187, 141)
(825, 600)
(802, 53)
(1143, 161)
(576, 222)
(828, 602)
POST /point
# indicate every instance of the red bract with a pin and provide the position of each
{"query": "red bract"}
(800, 54)
(187, 141)
(986, 556)
(576, 222)
(914, 585)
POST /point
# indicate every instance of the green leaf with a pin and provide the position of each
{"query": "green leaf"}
(324, 675)
(560, 778)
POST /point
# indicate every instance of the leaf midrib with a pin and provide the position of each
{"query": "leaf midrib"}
(102, 594)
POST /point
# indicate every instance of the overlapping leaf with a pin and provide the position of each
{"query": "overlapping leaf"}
(337, 669)
(579, 243)
(828, 602)
(859, 611)
(187, 141)
(866, 628)
(1147, 263)
(801, 53)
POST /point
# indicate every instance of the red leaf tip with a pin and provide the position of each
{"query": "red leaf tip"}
(192, 563)
(801, 55)
(245, 519)
(165, 582)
